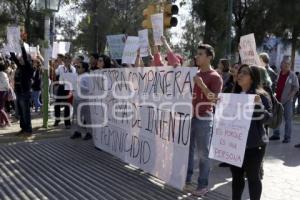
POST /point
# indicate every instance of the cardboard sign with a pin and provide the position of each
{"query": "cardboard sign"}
(231, 126)
(158, 27)
(130, 50)
(248, 51)
(144, 43)
(143, 116)
(116, 44)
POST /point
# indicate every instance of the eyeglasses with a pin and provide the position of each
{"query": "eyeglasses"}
(100, 60)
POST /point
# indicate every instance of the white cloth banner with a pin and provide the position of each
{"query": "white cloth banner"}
(231, 126)
(116, 44)
(13, 39)
(143, 116)
(60, 48)
(247, 49)
(144, 43)
(158, 27)
(130, 50)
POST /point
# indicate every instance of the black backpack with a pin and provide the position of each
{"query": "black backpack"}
(277, 111)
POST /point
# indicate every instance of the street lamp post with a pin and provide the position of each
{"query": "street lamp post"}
(49, 6)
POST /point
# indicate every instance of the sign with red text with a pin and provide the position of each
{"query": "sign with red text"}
(247, 49)
(231, 126)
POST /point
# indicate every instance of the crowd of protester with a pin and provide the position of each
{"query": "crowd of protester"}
(21, 85)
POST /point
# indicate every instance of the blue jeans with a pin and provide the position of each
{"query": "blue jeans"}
(201, 132)
(23, 104)
(288, 118)
(36, 99)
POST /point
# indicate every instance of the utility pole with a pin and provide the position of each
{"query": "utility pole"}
(229, 25)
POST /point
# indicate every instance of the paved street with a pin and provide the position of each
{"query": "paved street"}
(48, 165)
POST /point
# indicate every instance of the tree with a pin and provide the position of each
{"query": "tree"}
(285, 14)
(213, 15)
(194, 34)
(101, 20)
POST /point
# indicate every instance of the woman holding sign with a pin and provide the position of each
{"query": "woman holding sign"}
(248, 82)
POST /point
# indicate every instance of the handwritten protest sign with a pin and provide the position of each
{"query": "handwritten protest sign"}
(130, 50)
(158, 27)
(248, 51)
(13, 38)
(116, 44)
(144, 118)
(144, 43)
(60, 48)
(231, 126)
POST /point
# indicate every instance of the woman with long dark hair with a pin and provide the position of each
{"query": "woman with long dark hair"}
(248, 82)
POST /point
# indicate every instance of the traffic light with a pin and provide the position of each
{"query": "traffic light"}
(150, 10)
(169, 11)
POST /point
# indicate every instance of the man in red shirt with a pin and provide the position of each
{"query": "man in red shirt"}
(287, 87)
(208, 83)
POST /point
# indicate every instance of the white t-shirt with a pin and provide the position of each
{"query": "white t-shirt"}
(61, 70)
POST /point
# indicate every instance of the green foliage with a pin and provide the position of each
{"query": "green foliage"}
(105, 17)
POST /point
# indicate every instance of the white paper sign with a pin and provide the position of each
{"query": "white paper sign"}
(60, 48)
(130, 50)
(158, 27)
(231, 126)
(116, 44)
(144, 43)
(33, 52)
(248, 51)
(151, 129)
(13, 39)
(69, 80)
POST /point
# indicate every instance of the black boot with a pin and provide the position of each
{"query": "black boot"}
(88, 136)
(75, 135)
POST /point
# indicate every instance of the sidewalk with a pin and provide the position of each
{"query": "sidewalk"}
(281, 171)
(8, 134)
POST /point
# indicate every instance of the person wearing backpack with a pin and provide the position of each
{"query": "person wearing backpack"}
(287, 87)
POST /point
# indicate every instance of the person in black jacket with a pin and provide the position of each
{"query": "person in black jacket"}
(248, 82)
(23, 77)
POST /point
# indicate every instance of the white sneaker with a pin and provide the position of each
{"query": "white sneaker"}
(200, 192)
